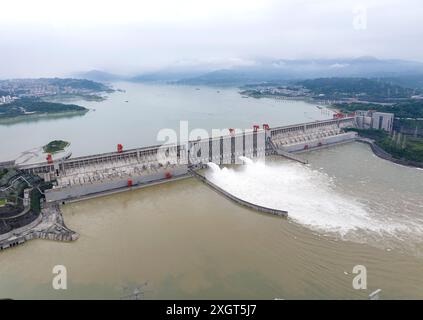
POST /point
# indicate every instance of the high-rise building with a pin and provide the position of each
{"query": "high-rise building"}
(382, 121)
(374, 120)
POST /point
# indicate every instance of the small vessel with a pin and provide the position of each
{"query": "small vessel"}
(126, 100)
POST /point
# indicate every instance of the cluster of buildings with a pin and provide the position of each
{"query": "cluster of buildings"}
(369, 119)
(6, 99)
(288, 91)
(50, 90)
(44, 87)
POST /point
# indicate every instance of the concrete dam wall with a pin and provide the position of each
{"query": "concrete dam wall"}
(75, 191)
(239, 201)
(303, 137)
(98, 174)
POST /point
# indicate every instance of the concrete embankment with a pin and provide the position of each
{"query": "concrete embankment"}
(238, 200)
(378, 151)
(285, 154)
(49, 225)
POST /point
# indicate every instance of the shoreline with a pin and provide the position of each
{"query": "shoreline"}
(75, 97)
(379, 152)
(38, 116)
(49, 225)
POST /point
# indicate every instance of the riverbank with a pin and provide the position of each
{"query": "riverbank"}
(48, 225)
(40, 116)
(378, 151)
(399, 148)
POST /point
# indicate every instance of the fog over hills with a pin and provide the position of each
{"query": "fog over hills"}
(407, 73)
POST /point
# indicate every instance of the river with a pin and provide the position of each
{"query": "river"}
(150, 108)
(346, 208)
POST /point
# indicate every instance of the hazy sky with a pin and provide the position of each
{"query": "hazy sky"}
(57, 37)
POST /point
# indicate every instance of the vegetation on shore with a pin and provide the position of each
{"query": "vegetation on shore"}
(12, 187)
(411, 109)
(17, 87)
(35, 201)
(338, 89)
(12, 213)
(35, 106)
(55, 146)
(2, 172)
(399, 146)
(409, 123)
(74, 96)
(361, 88)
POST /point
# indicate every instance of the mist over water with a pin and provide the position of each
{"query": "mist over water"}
(313, 199)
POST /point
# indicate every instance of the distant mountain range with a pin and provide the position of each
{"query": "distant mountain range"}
(96, 75)
(402, 72)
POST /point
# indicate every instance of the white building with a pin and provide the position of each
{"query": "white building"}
(382, 121)
(5, 99)
(374, 120)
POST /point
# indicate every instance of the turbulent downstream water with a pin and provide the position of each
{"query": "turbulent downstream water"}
(346, 208)
(337, 199)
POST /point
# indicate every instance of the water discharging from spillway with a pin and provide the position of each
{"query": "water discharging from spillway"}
(311, 199)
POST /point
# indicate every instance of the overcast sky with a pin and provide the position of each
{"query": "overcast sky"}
(56, 37)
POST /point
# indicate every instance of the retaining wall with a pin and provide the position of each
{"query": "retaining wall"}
(378, 151)
(244, 203)
(83, 190)
(21, 229)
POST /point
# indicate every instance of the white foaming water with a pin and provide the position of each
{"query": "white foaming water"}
(310, 197)
(213, 166)
(246, 160)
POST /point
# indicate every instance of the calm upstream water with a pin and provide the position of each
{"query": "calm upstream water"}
(150, 108)
(346, 208)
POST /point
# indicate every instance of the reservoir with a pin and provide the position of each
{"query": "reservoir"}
(346, 208)
(150, 108)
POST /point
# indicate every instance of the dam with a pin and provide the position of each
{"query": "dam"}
(75, 179)
(90, 176)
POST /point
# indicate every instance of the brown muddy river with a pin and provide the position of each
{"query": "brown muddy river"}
(346, 208)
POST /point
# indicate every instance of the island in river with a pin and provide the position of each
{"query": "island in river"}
(25, 108)
(55, 146)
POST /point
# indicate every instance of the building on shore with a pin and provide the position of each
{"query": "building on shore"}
(374, 120)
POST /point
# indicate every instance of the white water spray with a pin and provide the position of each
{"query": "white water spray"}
(213, 166)
(310, 197)
(245, 160)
